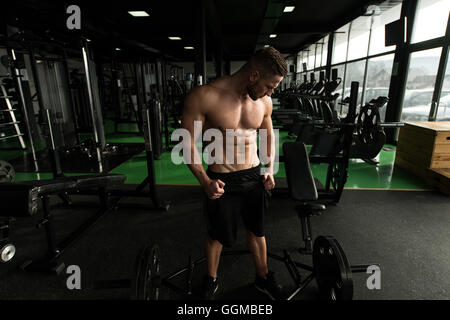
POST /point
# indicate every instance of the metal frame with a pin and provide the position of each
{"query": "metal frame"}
(92, 109)
(291, 265)
(119, 120)
(149, 181)
(18, 80)
(56, 249)
(14, 122)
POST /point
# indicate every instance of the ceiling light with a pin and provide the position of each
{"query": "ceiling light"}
(189, 48)
(174, 38)
(289, 8)
(266, 46)
(138, 13)
(118, 49)
(273, 36)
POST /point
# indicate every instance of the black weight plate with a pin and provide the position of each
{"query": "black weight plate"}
(7, 172)
(368, 124)
(7, 252)
(337, 176)
(146, 280)
(332, 270)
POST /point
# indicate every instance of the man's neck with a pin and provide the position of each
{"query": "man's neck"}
(240, 82)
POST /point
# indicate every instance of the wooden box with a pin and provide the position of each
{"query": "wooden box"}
(425, 144)
(440, 179)
(423, 148)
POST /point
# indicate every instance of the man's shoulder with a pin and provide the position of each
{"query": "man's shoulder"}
(216, 90)
(212, 88)
(204, 97)
(220, 86)
(267, 101)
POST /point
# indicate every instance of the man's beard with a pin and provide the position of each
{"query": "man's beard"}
(251, 92)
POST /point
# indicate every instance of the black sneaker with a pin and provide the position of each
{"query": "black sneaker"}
(209, 287)
(269, 286)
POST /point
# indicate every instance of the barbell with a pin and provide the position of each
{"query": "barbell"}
(331, 270)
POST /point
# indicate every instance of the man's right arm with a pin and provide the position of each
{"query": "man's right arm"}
(194, 111)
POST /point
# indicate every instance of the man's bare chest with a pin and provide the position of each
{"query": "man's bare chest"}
(243, 116)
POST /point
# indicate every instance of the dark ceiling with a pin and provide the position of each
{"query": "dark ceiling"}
(238, 27)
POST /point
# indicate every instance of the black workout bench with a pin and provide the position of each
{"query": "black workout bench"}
(24, 199)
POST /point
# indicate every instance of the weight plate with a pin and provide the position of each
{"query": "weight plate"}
(146, 280)
(368, 124)
(332, 270)
(338, 176)
(7, 252)
(7, 173)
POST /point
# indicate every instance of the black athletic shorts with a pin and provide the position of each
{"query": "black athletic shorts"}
(244, 196)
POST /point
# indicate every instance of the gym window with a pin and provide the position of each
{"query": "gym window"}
(431, 20)
(423, 68)
(340, 44)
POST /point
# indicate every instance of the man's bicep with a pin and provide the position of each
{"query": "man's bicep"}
(267, 120)
(192, 112)
(267, 123)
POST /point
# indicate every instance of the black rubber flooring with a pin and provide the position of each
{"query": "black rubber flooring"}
(405, 232)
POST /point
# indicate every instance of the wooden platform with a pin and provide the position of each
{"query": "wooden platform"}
(440, 179)
(424, 149)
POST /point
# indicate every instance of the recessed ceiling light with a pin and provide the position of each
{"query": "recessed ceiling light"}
(189, 48)
(266, 46)
(289, 8)
(118, 49)
(138, 13)
(174, 38)
(273, 36)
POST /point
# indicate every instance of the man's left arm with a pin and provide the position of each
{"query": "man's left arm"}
(269, 153)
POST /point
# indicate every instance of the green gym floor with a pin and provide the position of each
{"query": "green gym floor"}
(361, 175)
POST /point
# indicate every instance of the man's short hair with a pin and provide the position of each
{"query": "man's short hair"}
(269, 60)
